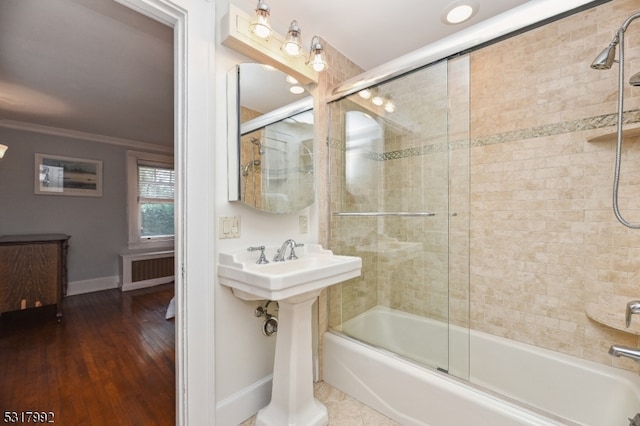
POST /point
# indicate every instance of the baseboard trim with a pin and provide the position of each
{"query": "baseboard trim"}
(95, 284)
(240, 406)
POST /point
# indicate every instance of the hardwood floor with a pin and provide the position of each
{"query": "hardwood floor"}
(110, 362)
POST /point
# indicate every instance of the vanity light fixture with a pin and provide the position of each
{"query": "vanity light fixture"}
(3, 149)
(317, 59)
(377, 101)
(459, 12)
(260, 25)
(292, 45)
(236, 33)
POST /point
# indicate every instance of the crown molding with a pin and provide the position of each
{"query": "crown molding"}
(76, 134)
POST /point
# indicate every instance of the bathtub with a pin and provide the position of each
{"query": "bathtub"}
(558, 389)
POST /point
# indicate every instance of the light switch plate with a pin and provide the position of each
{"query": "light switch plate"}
(229, 227)
(304, 224)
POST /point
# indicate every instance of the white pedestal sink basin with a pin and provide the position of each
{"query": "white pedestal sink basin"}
(295, 284)
(315, 269)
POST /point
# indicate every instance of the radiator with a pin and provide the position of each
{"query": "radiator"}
(140, 270)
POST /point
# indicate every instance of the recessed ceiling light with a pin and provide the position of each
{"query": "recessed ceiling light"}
(459, 12)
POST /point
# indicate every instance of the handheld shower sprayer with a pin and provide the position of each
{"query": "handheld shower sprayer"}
(604, 61)
(257, 143)
(251, 164)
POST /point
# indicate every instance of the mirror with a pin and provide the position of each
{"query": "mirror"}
(270, 140)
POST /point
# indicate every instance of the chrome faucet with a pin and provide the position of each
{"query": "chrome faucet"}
(633, 307)
(625, 351)
(279, 257)
(262, 259)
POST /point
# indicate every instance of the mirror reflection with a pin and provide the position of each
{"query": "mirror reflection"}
(277, 165)
(275, 141)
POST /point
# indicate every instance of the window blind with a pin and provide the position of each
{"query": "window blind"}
(155, 183)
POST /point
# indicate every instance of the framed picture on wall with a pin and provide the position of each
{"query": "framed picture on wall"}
(56, 175)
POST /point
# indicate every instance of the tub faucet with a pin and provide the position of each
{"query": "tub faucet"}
(633, 307)
(279, 257)
(625, 351)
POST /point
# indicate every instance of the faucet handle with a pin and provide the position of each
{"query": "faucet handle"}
(262, 258)
(292, 255)
(633, 307)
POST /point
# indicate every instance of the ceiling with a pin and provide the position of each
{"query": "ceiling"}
(90, 66)
(97, 67)
(372, 33)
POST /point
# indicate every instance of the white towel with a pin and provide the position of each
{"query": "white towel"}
(171, 309)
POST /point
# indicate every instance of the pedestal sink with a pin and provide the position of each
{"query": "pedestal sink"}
(295, 284)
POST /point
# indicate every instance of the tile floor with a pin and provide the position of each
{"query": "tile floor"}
(344, 410)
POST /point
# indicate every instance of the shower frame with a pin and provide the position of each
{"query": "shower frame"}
(416, 143)
(514, 22)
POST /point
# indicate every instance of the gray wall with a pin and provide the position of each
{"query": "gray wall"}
(97, 225)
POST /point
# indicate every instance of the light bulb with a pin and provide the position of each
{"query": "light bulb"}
(292, 46)
(260, 25)
(365, 94)
(292, 49)
(390, 106)
(318, 63)
(316, 55)
(261, 30)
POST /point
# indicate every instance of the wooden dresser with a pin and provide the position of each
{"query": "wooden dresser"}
(33, 271)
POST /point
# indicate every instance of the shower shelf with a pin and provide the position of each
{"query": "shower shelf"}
(629, 132)
(612, 315)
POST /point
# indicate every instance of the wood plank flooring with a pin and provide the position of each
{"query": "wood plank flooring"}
(110, 362)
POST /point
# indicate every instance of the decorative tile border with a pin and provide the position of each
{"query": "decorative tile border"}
(590, 123)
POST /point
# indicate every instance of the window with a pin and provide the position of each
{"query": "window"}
(151, 181)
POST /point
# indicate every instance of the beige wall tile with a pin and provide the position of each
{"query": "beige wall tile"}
(535, 241)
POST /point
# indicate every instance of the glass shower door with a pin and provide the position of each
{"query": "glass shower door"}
(389, 200)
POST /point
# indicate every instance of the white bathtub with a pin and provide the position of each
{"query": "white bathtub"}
(559, 389)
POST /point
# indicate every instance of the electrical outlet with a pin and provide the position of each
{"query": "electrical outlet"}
(229, 227)
(304, 224)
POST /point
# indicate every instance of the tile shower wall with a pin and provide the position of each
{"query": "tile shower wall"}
(546, 249)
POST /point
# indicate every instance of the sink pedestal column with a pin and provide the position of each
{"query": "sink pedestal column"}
(292, 400)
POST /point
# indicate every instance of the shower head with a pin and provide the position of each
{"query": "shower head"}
(247, 166)
(635, 79)
(606, 58)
